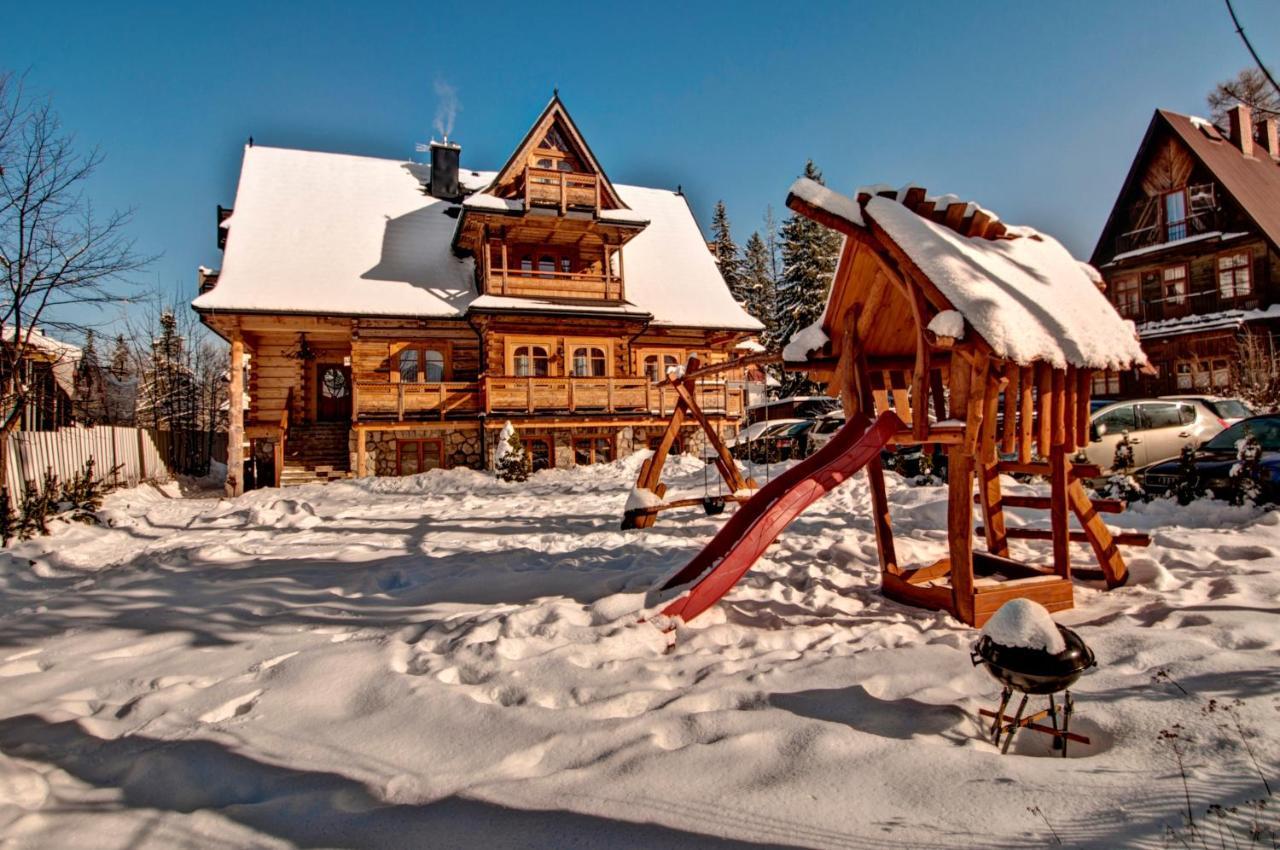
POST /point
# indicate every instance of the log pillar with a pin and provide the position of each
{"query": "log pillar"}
(362, 453)
(960, 531)
(235, 420)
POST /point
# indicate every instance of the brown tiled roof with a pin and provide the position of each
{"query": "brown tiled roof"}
(1253, 181)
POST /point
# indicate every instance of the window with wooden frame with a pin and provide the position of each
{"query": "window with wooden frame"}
(1235, 274)
(1106, 384)
(422, 363)
(1175, 215)
(589, 358)
(1173, 284)
(654, 364)
(529, 360)
(593, 448)
(414, 456)
(1127, 295)
(539, 453)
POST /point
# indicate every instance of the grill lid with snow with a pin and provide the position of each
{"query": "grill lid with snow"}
(1025, 624)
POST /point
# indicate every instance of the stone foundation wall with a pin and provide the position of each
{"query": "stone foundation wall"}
(461, 447)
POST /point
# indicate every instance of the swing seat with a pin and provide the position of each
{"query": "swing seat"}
(713, 505)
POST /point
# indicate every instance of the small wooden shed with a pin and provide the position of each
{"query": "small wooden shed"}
(985, 340)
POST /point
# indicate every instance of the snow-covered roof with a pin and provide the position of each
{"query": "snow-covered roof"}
(325, 233)
(1222, 320)
(63, 355)
(1027, 297)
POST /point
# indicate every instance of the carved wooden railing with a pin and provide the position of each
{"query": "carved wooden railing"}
(413, 400)
(601, 395)
(523, 282)
(564, 189)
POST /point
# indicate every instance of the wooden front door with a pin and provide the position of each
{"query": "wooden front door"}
(333, 392)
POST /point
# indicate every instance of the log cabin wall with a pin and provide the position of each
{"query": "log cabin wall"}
(274, 370)
(379, 342)
(558, 334)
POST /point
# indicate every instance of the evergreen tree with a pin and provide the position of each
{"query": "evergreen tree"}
(168, 396)
(511, 463)
(726, 253)
(121, 364)
(758, 284)
(90, 402)
(809, 255)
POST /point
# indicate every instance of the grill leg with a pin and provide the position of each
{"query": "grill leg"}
(996, 724)
(1014, 726)
(1059, 742)
(1067, 706)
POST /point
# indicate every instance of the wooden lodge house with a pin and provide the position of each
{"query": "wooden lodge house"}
(1191, 251)
(389, 317)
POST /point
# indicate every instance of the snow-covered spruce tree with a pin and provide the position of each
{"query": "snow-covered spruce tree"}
(91, 400)
(511, 463)
(758, 284)
(726, 253)
(1188, 488)
(1246, 473)
(809, 255)
(1121, 484)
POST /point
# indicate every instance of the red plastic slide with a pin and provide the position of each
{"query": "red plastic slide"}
(758, 522)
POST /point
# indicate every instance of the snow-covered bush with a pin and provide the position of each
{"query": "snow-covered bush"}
(1188, 488)
(1246, 472)
(1121, 484)
(511, 463)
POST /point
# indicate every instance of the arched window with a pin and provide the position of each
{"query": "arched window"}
(526, 263)
(655, 365)
(589, 361)
(409, 365)
(546, 263)
(531, 361)
(432, 365)
(565, 265)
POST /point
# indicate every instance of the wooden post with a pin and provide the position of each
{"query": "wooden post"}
(362, 453)
(1026, 413)
(279, 457)
(725, 463)
(235, 419)
(1009, 436)
(1098, 535)
(1059, 479)
(504, 267)
(960, 530)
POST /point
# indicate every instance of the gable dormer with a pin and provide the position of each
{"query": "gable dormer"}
(551, 224)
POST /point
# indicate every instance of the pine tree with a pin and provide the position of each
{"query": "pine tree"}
(758, 284)
(809, 255)
(511, 463)
(726, 253)
(90, 402)
(121, 358)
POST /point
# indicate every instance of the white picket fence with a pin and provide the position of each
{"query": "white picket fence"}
(122, 456)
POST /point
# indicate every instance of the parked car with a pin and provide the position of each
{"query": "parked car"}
(1157, 430)
(1228, 410)
(771, 440)
(825, 428)
(1215, 458)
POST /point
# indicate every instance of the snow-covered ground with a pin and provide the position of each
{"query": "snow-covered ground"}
(447, 661)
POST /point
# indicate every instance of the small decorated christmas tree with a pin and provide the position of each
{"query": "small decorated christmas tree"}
(1188, 489)
(1121, 484)
(1246, 473)
(511, 462)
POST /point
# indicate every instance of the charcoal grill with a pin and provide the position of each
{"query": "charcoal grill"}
(1034, 672)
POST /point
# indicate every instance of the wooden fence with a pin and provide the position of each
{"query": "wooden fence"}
(122, 456)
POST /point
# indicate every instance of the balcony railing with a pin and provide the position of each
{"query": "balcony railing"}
(568, 190)
(404, 401)
(458, 400)
(548, 284)
(1201, 217)
(602, 395)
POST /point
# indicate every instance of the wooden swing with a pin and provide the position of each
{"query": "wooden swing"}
(686, 409)
(991, 415)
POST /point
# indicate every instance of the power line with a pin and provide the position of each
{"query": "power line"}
(1252, 52)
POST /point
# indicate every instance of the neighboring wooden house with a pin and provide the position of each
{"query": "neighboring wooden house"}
(1191, 250)
(394, 315)
(48, 366)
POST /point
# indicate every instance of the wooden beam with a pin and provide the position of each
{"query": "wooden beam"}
(362, 453)
(725, 463)
(1026, 413)
(235, 419)
(1123, 538)
(1059, 478)
(1009, 433)
(1099, 536)
(960, 530)
(1078, 470)
(1102, 506)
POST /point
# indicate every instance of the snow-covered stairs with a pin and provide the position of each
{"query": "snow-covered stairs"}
(316, 453)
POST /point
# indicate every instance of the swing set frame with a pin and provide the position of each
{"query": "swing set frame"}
(686, 409)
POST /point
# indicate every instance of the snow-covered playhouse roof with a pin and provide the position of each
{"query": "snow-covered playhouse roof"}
(324, 233)
(1017, 290)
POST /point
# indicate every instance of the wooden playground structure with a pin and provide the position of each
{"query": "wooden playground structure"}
(991, 412)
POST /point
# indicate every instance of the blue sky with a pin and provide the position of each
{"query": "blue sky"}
(1032, 109)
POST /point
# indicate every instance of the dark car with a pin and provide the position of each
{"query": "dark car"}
(784, 443)
(1215, 458)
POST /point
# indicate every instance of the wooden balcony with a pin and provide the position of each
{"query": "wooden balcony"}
(602, 395)
(548, 284)
(565, 190)
(421, 401)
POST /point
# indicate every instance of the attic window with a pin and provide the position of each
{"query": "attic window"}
(553, 141)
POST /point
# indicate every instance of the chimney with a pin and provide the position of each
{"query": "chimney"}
(1269, 137)
(444, 170)
(1241, 128)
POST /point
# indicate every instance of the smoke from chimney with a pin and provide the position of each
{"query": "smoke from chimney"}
(447, 108)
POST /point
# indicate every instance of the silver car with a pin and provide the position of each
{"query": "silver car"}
(1157, 430)
(1228, 410)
